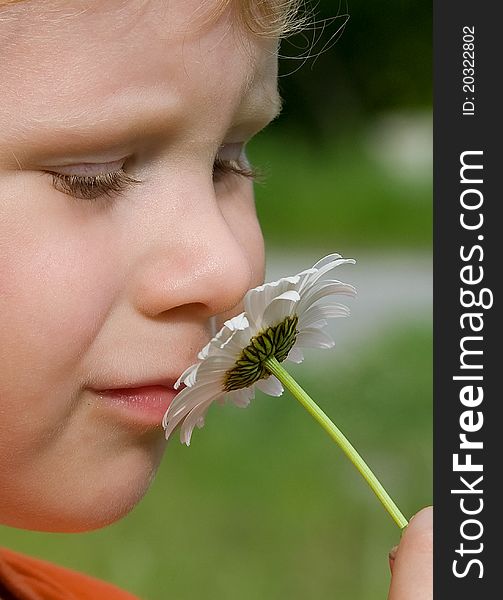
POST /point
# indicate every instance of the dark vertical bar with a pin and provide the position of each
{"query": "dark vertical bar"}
(468, 242)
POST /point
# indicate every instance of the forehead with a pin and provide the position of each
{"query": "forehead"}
(72, 60)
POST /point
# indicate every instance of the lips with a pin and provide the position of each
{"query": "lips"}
(159, 382)
(143, 404)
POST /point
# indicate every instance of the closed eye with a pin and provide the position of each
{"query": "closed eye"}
(91, 187)
(109, 185)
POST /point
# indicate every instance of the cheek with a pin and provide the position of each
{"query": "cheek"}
(241, 216)
(55, 291)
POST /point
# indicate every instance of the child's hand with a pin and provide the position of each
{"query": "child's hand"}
(412, 562)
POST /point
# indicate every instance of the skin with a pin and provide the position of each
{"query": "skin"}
(97, 293)
(411, 562)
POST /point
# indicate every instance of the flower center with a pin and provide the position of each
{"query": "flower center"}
(276, 341)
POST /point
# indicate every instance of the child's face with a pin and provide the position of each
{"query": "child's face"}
(96, 293)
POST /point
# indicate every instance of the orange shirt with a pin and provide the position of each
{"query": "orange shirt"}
(26, 578)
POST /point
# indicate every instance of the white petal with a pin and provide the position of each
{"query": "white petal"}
(325, 266)
(271, 386)
(321, 290)
(258, 299)
(236, 344)
(240, 336)
(187, 375)
(327, 310)
(326, 259)
(195, 417)
(215, 366)
(242, 397)
(314, 338)
(304, 277)
(172, 423)
(332, 264)
(190, 397)
(229, 329)
(216, 342)
(237, 323)
(281, 307)
(205, 351)
(295, 355)
(190, 380)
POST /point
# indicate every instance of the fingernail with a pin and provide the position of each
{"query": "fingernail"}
(391, 557)
(392, 553)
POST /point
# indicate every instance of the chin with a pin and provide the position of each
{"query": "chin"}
(83, 501)
(79, 514)
(106, 504)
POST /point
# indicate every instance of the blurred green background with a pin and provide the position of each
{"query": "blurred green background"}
(263, 505)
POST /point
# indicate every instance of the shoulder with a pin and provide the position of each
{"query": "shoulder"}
(27, 577)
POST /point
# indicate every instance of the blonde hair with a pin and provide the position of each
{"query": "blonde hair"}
(263, 18)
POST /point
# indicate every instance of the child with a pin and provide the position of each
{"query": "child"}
(127, 221)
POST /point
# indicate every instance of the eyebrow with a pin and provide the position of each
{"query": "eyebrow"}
(261, 109)
(273, 104)
(73, 128)
(276, 105)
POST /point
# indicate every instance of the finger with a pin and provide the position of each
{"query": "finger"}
(412, 566)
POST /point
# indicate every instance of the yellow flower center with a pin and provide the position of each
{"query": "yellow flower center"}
(276, 341)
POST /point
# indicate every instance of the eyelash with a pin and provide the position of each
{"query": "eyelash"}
(91, 187)
(233, 167)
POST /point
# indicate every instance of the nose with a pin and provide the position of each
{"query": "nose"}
(197, 261)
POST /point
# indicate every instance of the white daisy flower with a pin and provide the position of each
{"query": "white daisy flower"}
(280, 319)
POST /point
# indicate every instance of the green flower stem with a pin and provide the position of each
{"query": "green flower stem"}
(308, 403)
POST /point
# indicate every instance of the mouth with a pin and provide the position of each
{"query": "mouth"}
(164, 382)
(143, 403)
